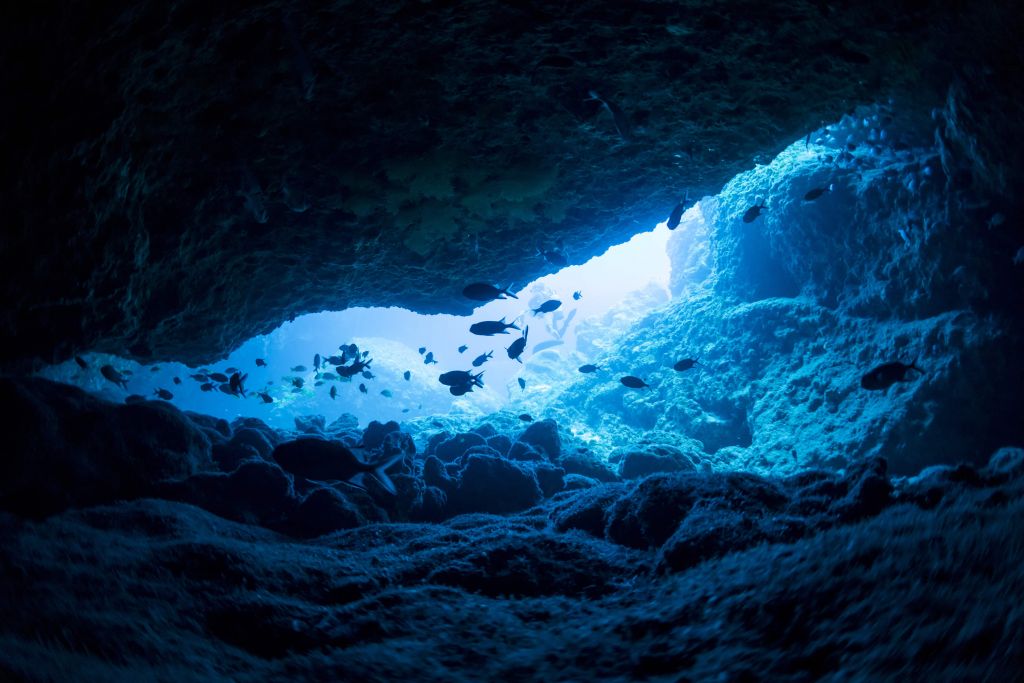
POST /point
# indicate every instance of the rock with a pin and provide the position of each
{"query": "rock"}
(543, 435)
(70, 449)
(486, 430)
(430, 506)
(343, 423)
(500, 443)
(1006, 463)
(483, 450)
(216, 428)
(453, 448)
(551, 478)
(588, 465)
(257, 492)
(229, 456)
(869, 490)
(524, 452)
(708, 533)
(585, 509)
(259, 425)
(322, 511)
(257, 440)
(373, 435)
(576, 482)
(434, 441)
(311, 424)
(493, 484)
(637, 464)
(653, 508)
(435, 474)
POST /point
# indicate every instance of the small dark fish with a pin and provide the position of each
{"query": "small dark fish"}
(363, 389)
(884, 376)
(460, 389)
(549, 344)
(481, 291)
(481, 359)
(456, 377)
(329, 376)
(405, 410)
(817, 192)
(429, 358)
(164, 394)
(112, 375)
(753, 212)
(367, 374)
(218, 377)
(462, 349)
(176, 380)
(155, 368)
(365, 354)
(588, 368)
(260, 363)
(677, 212)
(199, 377)
(576, 295)
(316, 361)
(526, 417)
(230, 370)
(334, 360)
(386, 393)
(206, 387)
(226, 389)
(317, 383)
(266, 397)
(134, 398)
(299, 368)
(298, 382)
(422, 350)
(518, 346)
(322, 460)
(406, 375)
(334, 393)
(488, 328)
(522, 384)
(635, 382)
(686, 364)
(81, 362)
(547, 306)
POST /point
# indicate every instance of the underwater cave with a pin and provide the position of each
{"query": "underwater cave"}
(543, 341)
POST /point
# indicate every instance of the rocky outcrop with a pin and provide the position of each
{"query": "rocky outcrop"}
(186, 176)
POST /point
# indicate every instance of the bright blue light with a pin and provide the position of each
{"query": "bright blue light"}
(393, 335)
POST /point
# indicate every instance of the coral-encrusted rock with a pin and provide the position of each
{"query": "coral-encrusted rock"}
(869, 490)
(435, 474)
(585, 509)
(588, 465)
(70, 449)
(637, 464)
(493, 484)
(543, 435)
(1006, 463)
(524, 452)
(373, 435)
(315, 425)
(500, 443)
(322, 511)
(453, 448)
(257, 492)
(550, 477)
(708, 533)
(247, 436)
(650, 513)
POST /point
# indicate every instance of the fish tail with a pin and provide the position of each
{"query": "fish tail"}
(376, 471)
(505, 291)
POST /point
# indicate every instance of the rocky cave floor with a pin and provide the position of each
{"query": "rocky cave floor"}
(145, 543)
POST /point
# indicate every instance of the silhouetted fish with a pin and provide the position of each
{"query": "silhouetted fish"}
(386, 393)
(577, 295)
(481, 359)
(753, 212)
(816, 192)
(686, 364)
(199, 377)
(333, 393)
(429, 358)
(635, 382)
(518, 346)
(363, 389)
(112, 375)
(526, 417)
(588, 368)
(218, 377)
(266, 397)
(81, 362)
(176, 380)
(481, 291)
(298, 382)
(260, 363)
(677, 212)
(522, 384)
(488, 328)
(206, 387)
(299, 368)
(322, 460)
(316, 361)
(422, 350)
(164, 394)
(406, 375)
(547, 306)
(462, 349)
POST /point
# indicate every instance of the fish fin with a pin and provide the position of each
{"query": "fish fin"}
(505, 291)
(377, 472)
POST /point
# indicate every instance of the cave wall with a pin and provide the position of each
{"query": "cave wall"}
(184, 176)
(910, 257)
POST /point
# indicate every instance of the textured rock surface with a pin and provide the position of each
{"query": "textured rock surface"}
(190, 175)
